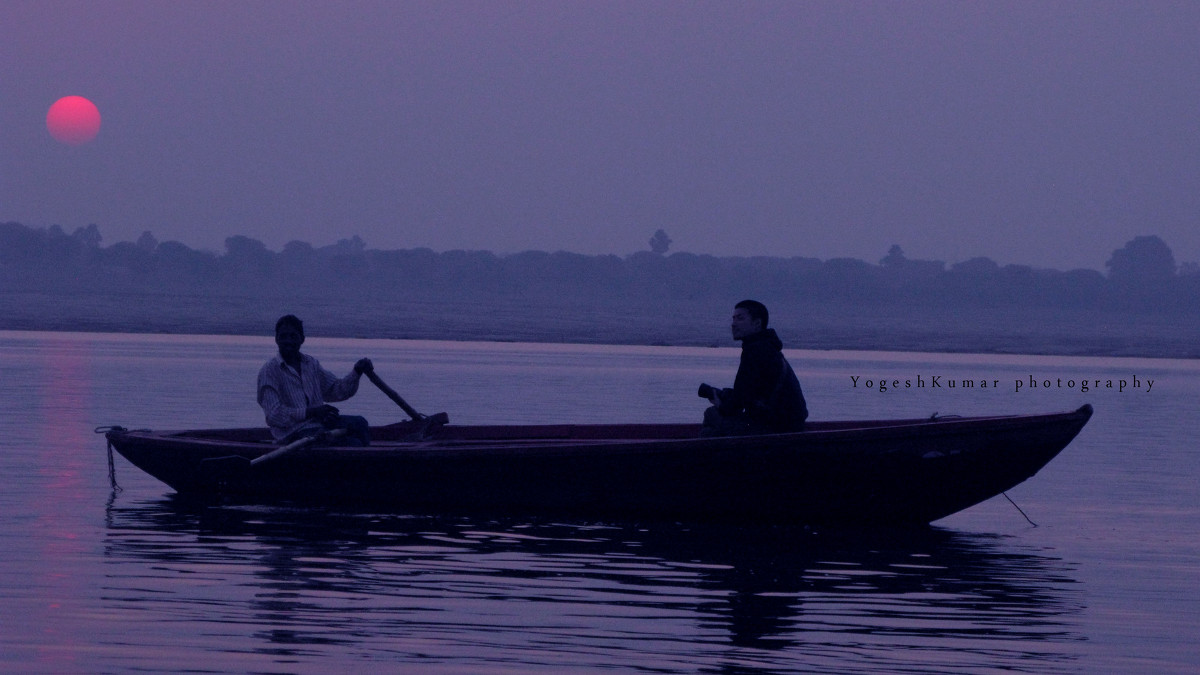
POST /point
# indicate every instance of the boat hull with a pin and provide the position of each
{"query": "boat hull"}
(874, 473)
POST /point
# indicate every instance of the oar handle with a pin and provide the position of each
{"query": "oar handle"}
(390, 393)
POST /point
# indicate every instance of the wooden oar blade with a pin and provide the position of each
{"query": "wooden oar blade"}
(416, 430)
(431, 425)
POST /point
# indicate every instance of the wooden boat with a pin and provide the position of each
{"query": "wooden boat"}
(862, 472)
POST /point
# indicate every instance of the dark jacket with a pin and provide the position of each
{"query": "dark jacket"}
(766, 389)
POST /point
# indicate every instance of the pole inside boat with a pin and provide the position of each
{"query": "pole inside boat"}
(222, 467)
(296, 445)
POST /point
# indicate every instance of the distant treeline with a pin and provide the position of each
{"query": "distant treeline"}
(1142, 276)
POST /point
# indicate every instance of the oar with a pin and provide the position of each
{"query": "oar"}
(424, 425)
(391, 393)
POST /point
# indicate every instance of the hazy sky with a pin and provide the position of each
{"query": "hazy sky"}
(1043, 133)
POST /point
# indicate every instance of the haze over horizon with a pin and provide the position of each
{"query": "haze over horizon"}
(1046, 134)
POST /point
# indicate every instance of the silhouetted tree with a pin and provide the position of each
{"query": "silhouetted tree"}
(1142, 260)
(297, 262)
(147, 242)
(851, 278)
(299, 250)
(181, 264)
(19, 243)
(352, 246)
(248, 255)
(894, 258)
(239, 246)
(61, 248)
(130, 256)
(977, 267)
(660, 242)
(88, 236)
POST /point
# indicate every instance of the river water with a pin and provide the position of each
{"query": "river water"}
(100, 581)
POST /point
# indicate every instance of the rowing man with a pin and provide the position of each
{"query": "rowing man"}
(294, 391)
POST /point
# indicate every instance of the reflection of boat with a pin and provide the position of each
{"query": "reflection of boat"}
(890, 471)
(821, 600)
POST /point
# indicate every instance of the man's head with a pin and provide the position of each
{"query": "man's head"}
(290, 320)
(749, 317)
(289, 335)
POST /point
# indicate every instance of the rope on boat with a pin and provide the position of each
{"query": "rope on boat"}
(112, 468)
(1010, 501)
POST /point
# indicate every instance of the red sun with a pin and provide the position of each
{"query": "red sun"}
(73, 120)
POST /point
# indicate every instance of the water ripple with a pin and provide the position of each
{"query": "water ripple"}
(299, 589)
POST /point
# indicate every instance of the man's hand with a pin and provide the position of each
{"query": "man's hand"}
(715, 399)
(364, 366)
(324, 413)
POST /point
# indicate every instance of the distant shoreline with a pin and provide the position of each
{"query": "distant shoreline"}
(997, 331)
(1145, 307)
(1046, 351)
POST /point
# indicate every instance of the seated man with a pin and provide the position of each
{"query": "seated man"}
(293, 390)
(766, 396)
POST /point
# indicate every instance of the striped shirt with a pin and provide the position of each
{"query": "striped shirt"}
(285, 395)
